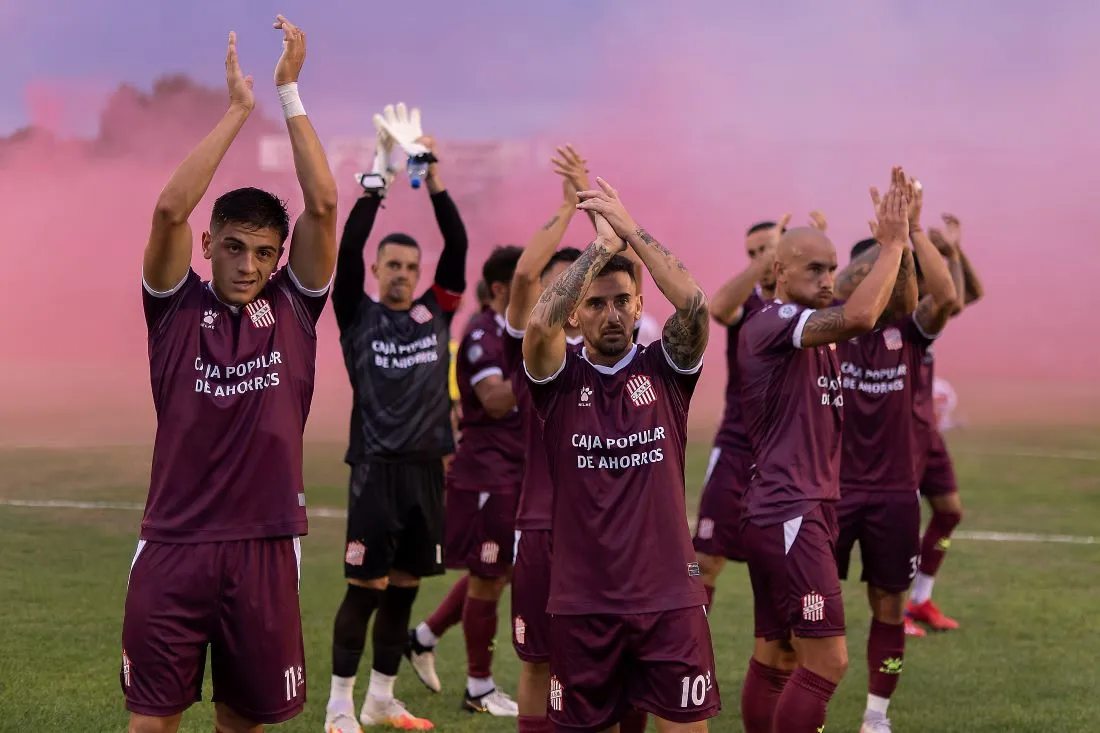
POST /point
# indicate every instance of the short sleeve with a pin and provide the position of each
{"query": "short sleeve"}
(682, 381)
(912, 332)
(776, 328)
(545, 392)
(513, 349)
(159, 305)
(483, 354)
(307, 304)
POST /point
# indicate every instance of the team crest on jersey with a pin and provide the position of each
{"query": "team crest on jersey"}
(641, 391)
(813, 606)
(892, 337)
(208, 318)
(474, 353)
(557, 694)
(420, 314)
(520, 628)
(261, 313)
(490, 552)
(125, 669)
(787, 311)
(355, 553)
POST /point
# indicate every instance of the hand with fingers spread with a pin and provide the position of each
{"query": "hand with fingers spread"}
(817, 220)
(605, 201)
(403, 125)
(765, 262)
(293, 57)
(240, 86)
(914, 194)
(573, 169)
(891, 227)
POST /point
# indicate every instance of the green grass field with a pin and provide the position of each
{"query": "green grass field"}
(1025, 659)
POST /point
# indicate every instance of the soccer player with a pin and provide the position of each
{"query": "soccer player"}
(396, 353)
(937, 477)
(232, 366)
(717, 531)
(790, 387)
(482, 485)
(628, 625)
(879, 506)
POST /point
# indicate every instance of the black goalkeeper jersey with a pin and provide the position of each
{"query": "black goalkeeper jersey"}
(399, 361)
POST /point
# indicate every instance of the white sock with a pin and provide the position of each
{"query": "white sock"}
(425, 636)
(381, 685)
(876, 706)
(478, 687)
(922, 588)
(341, 696)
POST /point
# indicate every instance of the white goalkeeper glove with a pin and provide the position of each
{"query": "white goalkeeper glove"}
(403, 126)
(383, 171)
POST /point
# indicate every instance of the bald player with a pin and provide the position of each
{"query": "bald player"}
(790, 387)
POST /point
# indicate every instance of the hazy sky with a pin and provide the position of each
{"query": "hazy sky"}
(708, 116)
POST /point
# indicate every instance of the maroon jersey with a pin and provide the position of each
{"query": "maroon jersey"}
(731, 433)
(535, 507)
(879, 441)
(232, 388)
(490, 453)
(792, 404)
(615, 440)
(924, 403)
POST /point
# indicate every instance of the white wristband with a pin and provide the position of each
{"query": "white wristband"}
(292, 103)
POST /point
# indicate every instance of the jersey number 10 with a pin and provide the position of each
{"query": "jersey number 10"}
(697, 689)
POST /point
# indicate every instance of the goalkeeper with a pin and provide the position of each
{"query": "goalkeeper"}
(397, 357)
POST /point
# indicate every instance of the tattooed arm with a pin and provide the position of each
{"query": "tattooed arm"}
(903, 297)
(973, 288)
(538, 251)
(940, 302)
(686, 331)
(544, 339)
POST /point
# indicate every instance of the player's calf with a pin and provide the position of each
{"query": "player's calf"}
(228, 720)
(153, 724)
(885, 655)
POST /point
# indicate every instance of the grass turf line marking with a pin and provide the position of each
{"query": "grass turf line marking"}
(334, 513)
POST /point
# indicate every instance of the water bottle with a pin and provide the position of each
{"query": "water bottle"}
(417, 169)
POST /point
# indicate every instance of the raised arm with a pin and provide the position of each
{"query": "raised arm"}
(544, 338)
(972, 290)
(168, 251)
(939, 303)
(313, 245)
(686, 331)
(347, 286)
(862, 310)
(903, 297)
(450, 271)
(726, 303)
(543, 243)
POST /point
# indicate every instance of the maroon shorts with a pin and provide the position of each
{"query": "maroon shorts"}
(530, 594)
(605, 664)
(887, 526)
(792, 567)
(718, 531)
(240, 600)
(938, 474)
(480, 531)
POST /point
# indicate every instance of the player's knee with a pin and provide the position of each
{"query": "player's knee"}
(373, 583)
(403, 580)
(486, 589)
(775, 654)
(825, 657)
(151, 724)
(886, 606)
(227, 720)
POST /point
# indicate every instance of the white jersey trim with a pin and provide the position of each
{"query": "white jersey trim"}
(929, 336)
(796, 339)
(164, 293)
(617, 366)
(485, 374)
(549, 379)
(306, 291)
(574, 340)
(693, 370)
(512, 331)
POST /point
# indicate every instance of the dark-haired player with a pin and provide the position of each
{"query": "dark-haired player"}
(790, 387)
(879, 506)
(482, 485)
(628, 625)
(397, 356)
(232, 365)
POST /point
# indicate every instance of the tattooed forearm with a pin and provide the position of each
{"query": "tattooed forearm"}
(550, 224)
(686, 331)
(852, 275)
(561, 298)
(826, 325)
(648, 239)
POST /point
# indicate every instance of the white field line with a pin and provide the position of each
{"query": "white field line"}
(334, 513)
